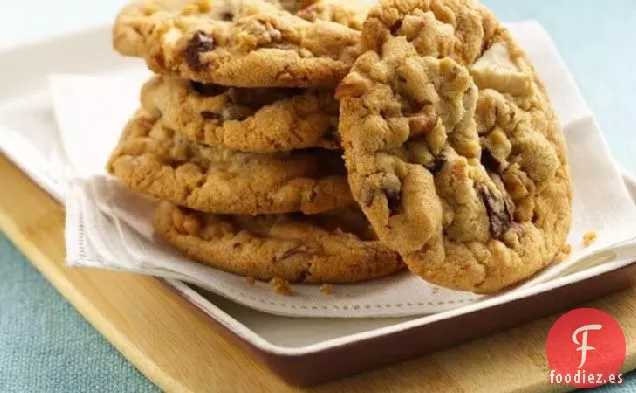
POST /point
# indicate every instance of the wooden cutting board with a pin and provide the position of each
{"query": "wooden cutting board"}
(181, 350)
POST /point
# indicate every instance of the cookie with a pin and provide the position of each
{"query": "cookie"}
(260, 45)
(332, 247)
(155, 160)
(452, 148)
(264, 120)
(136, 21)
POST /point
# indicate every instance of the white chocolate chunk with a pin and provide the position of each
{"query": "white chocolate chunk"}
(495, 70)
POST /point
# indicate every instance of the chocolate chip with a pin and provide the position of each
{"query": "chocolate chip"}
(489, 161)
(438, 164)
(198, 43)
(368, 198)
(227, 16)
(396, 26)
(535, 217)
(332, 135)
(207, 89)
(498, 210)
(304, 274)
(258, 98)
(211, 115)
(393, 200)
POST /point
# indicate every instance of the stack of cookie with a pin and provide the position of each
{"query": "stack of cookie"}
(455, 162)
(247, 156)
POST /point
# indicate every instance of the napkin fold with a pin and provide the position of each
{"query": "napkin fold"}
(109, 226)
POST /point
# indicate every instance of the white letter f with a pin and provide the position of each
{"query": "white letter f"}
(583, 345)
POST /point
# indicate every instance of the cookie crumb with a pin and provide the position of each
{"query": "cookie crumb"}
(589, 238)
(565, 252)
(250, 280)
(566, 249)
(326, 289)
(281, 286)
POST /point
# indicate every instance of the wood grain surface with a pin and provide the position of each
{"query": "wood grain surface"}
(181, 350)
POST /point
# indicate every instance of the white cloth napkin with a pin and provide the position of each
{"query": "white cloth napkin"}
(109, 226)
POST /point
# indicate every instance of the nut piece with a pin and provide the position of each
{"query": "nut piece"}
(421, 124)
(281, 286)
(565, 252)
(589, 238)
(326, 289)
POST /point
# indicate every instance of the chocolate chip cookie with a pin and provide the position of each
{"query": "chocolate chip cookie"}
(452, 148)
(258, 44)
(256, 120)
(155, 160)
(332, 247)
(137, 21)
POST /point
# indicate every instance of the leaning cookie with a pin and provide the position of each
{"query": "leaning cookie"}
(260, 45)
(155, 160)
(332, 247)
(250, 120)
(452, 148)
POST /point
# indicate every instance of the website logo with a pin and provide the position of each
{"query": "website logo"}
(585, 348)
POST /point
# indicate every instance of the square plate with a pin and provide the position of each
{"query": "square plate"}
(302, 351)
